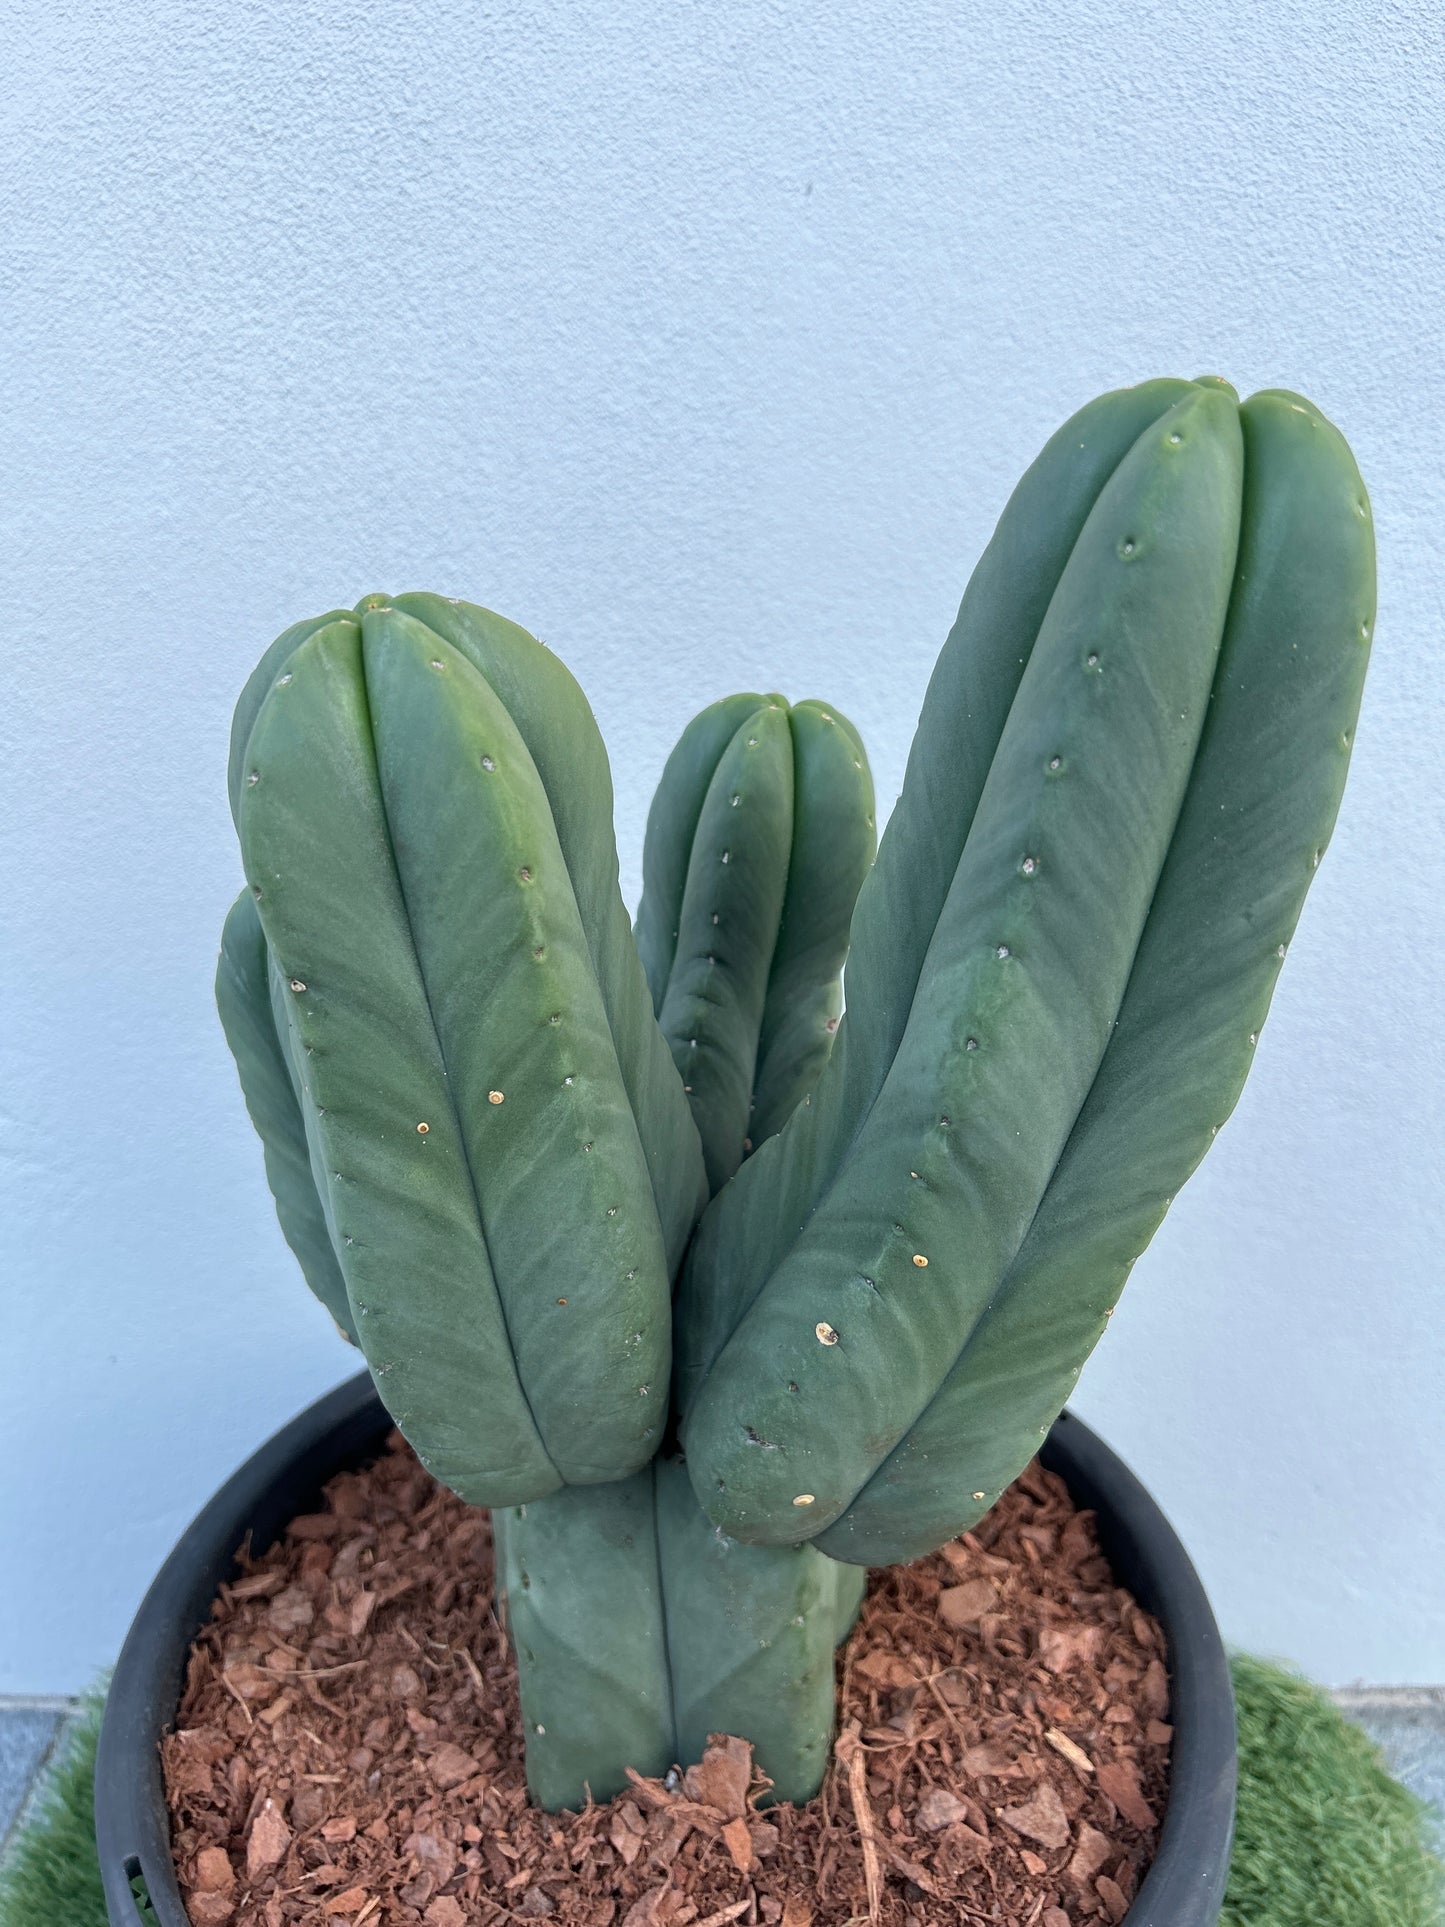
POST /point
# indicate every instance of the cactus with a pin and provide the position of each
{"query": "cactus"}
(714, 1297)
(758, 841)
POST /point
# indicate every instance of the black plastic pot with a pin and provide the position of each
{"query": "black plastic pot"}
(1183, 1888)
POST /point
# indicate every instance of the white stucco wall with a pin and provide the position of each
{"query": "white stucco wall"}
(708, 344)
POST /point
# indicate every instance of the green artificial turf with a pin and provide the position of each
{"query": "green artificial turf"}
(1324, 1836)
(51, 1875)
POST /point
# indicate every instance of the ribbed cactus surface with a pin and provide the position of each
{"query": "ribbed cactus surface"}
(639, 1630)
(1128, 763)
(717, 1296)
(758, 841)
(425, 816)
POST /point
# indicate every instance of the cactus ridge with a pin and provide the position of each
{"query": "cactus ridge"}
(243, 998)
(1262, 801)
(834, 842)
(1001, 1110)
(453, 1038)
(758, 840)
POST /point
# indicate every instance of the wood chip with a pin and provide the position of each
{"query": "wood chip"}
(1091, 1852)
(1120, 1782)
(214, 1872)
(270, 1837)
(1042, 1818)
(449, 1766)
(1064, 1647)
(939, 1809)
(966, 1604)
(1112, 1897)
(720, 1779)
(351, 1902)
(1069, 1750)
(739, 1843)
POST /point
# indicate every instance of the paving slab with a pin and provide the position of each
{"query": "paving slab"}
(28, 1731)
(1408, 1726)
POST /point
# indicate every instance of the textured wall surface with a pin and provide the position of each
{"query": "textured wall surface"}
(707, 343)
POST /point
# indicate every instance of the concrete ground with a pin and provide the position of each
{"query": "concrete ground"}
(1408, 1724)
(29, 1731)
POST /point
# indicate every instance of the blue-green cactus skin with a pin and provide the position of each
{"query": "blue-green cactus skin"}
(493, 1118)
(758, 840)
(808, 1322)
(269, 1086)
(676, 1632)
(454, 1037)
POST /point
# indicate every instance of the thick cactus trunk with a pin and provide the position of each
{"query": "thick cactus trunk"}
(639, 1629)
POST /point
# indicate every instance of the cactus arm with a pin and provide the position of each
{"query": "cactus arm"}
(639, 1630)
(408, 1229)
(671, 826)
(834, 839)
(243, 999)
(749, 1226)
(553, 718)
(712, 1010)
(1260, 808)
(1013, 1009)
(757, 842)
(529, 1053)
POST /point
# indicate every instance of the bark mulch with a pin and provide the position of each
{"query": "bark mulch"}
(348, 1748)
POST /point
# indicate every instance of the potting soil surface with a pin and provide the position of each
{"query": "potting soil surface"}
(348, 1747)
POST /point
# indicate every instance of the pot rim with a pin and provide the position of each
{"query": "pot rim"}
(1184, 1886)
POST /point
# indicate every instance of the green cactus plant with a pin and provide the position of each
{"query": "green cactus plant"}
(716, 1296)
